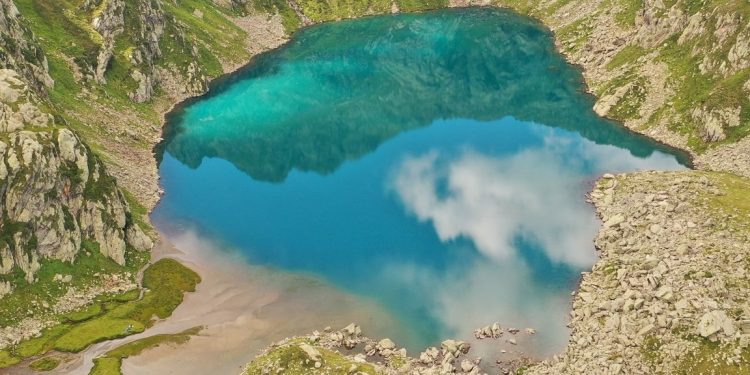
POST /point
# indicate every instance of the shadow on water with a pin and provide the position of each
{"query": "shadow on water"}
(337, 91)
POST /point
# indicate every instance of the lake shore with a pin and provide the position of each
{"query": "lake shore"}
(241, 308)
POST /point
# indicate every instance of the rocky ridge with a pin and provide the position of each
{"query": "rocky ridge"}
(672, 280)
(55, 194)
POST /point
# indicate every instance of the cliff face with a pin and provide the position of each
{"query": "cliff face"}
(18, 48)
(54, 193)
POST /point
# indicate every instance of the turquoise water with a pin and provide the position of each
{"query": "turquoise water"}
(435, 163)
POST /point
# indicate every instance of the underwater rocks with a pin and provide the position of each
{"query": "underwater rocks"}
(495, 331)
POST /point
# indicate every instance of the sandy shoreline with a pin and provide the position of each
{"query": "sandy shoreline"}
(243, 308)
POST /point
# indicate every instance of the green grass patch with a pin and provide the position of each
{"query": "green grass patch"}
(7, 359)
(296, 362)
(575, 35)
(83, 315)
(711, 359)
(29, 299)
(128, 296)
(626, 55)
(628, 9)
(106, 366)
(420, 5)
(138, 213)
(629, 105)
(651, 349)
(289, 18)
(734, 198)
(42, 344)
(166, 280)
(113, 316)
(45, 364)
(328, 10)
(97, 330)
(111, 362)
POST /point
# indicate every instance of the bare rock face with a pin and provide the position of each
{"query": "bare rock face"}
(54, 192)
(19, 51)
(715, 121)
(654, 29)
(109, 21)
(109, 24)
(18, 105)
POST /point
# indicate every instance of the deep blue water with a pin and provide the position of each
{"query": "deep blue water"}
(435, 163)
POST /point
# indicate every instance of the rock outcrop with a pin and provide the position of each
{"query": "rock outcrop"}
(54, 193)
(109, 23)
(19, 49)
(673, 71)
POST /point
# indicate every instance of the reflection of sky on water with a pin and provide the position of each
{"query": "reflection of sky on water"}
(450, 227)
(524, 212)
(347, 154)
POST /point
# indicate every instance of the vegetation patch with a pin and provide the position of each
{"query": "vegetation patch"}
(575, 35)
(295, 361)
(96, 330)
(626, 55)
(420, 5)
(45, 364)
(651, 349)
(7, 359)
(113, 316)
(712, 358)
(328, 10)
(629, 105)
(106, 366)
(628, 9)
(30, 299)
(111, 362)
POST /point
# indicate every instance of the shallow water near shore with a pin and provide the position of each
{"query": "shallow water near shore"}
(434, 165)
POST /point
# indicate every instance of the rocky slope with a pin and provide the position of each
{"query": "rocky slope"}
(678, 71)
(19, 49)
(54, 193)
(669, 294)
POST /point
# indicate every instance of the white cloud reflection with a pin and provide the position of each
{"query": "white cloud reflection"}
(536, 194)
(492, 201)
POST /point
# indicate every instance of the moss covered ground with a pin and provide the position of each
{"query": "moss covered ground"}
(110, 363)
(115, 316)
(292, 360)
